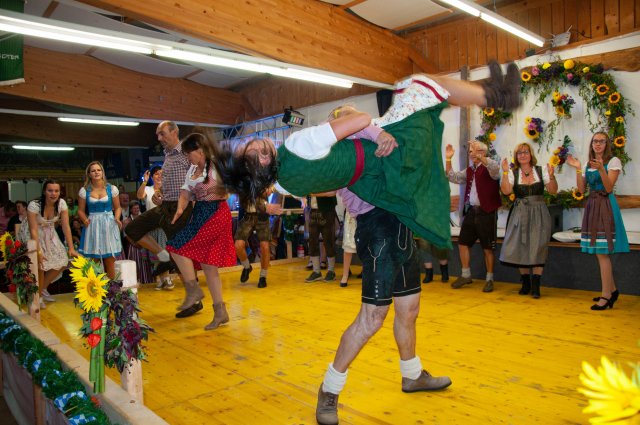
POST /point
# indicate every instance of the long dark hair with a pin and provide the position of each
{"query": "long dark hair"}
(195, 141)
(244, 175)
(607, 154)
(43, 197)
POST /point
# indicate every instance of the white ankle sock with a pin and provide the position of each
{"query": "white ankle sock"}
(489, 276)
(263, 272)
(411, 368)
(334, 381)
(164, 256)
(466, 272)
(331, 263)
(316, 264)
(245, 263)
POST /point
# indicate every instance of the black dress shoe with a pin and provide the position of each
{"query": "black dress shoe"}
(602, 307)
(262, 282)
(245, 274)
(343, 284)
(164, 266)
(428, 275)
(614, 297)
(190, 311)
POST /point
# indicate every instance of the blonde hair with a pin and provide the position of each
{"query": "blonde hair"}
(87, 178)
(342, 111)
(534, 160)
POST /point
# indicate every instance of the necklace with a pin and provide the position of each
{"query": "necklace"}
(525, 173)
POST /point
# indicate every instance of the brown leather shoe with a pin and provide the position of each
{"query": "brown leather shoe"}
(425, 382)
(327, 409)
(488, 287)
(461, 281)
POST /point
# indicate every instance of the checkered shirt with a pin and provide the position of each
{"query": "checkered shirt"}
(174, 170)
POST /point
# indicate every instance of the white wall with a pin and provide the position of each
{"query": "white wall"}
(577, 128)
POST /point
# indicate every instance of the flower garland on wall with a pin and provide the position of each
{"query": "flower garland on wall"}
(597, 88)
(19, 270)
(61, 386)
(110, 321)
(491, 119)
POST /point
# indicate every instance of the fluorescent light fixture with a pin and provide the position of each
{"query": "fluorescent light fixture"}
(101, 122)
(63, 33)
(74, 33)
(472, 10)
(497, 20)
(43, 148)
(281, 71)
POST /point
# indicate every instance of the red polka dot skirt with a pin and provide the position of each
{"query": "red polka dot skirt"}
(207, 237)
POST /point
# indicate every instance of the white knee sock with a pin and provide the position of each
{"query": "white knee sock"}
(334, 381)
(164, 256)
(411, 368)
(331, 263)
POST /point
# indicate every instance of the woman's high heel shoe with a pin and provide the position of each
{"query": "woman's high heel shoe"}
(614, 297)
(609, 304)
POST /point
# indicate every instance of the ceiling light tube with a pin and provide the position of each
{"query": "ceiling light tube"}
(215, 60)
(89, 37)
(514, 29)
(497, 20)
(43, 148)
(472, 10)
(101, 122)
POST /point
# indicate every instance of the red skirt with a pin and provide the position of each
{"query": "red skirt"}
(207, 237)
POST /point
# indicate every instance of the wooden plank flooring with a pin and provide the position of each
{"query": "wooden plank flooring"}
(512, 359)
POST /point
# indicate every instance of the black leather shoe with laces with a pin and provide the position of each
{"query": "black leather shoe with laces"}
(244, 276)
(327, 409)
(262, 282)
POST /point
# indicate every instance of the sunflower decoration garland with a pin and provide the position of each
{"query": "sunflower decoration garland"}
(559, 156)
(533, 128)
(110, 322)
(18, 266)
(91, 288)
(491, 119)
(597, 88)
(613, 396)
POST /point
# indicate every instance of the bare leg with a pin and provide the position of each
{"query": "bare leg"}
(606, 276)
(367, 323)
(213, 282)
(428, 265)
(346, 263)
(149, 243)
(110, 267)
(462, 93)
(241, 250)
(185, 265)
(49, 275)
(404, 324)
(538, 270)
(465, 259)
(489, 259)
(265, 255)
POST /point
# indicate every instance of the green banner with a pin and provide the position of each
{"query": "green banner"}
(11, 49)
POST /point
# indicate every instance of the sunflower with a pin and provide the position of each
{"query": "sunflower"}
(586, 69)
(527, 120)
(560, 111)
(546, 65)
(79, 268)
(602, 89)
(614, 98)
(613, 396)
(90, 290)
(492, 136)
(568, 64)
(512, 197)
(554, 160)
(557, 151)
(556, 96)
(489, 111)
(607, 113)
(531, 134)
(3, 243)
(525, 76)
(577, 195)
(619, 119)
(619, 141)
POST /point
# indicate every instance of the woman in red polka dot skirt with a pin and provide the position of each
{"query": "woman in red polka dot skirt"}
(206, 241)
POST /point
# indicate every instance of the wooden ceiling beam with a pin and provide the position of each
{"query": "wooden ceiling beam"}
(86, 82)
(303, 32)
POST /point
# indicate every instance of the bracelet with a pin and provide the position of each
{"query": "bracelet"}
(506, 173)
(448, 160)
(578, 171)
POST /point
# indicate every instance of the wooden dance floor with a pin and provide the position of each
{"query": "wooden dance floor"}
(512, 359)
